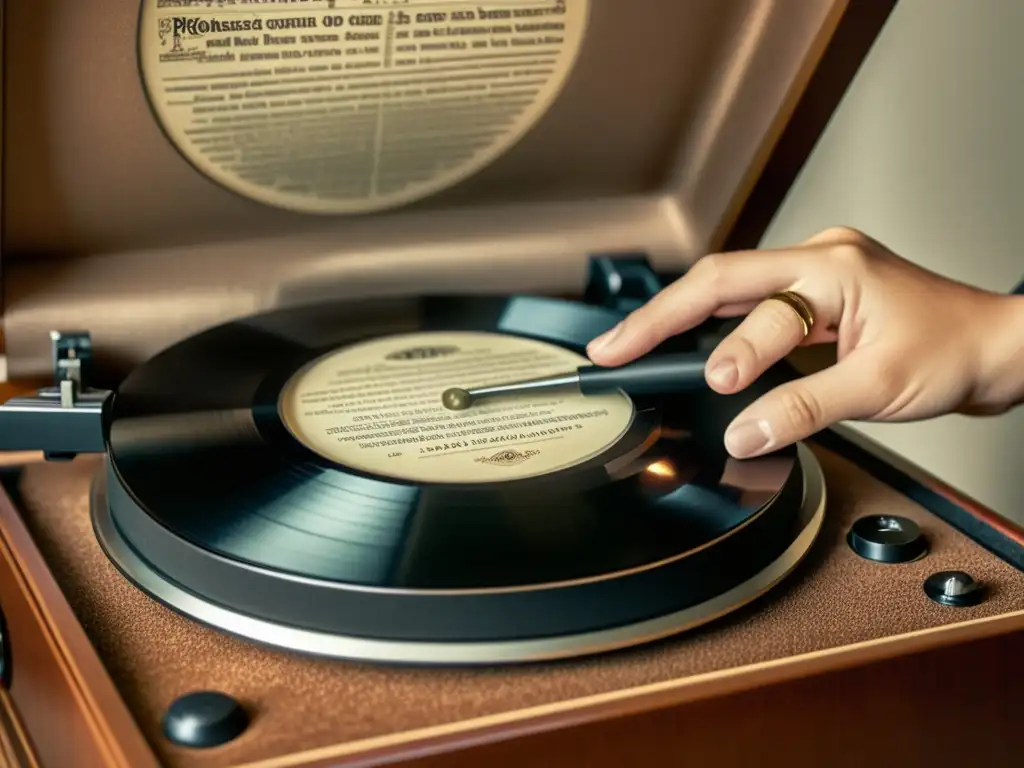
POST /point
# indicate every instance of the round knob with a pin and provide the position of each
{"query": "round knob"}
(887, 539)
(953, 588)
(204, 719)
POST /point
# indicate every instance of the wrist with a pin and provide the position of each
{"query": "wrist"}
(1001, 381)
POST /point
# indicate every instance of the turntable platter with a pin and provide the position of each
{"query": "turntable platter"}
(297, 470)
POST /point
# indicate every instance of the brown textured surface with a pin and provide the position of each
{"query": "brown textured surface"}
(302, 704)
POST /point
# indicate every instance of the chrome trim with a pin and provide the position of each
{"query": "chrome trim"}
(462, 654)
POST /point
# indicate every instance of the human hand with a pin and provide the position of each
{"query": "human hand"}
(911, 344)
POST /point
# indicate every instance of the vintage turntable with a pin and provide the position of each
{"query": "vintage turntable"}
(251, 535)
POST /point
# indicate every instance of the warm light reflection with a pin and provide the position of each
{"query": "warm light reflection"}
(765, 473)
(661, 469)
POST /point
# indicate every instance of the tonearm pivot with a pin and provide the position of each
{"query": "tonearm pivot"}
(66, 419)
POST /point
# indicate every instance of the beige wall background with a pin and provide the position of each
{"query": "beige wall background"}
(925, 154)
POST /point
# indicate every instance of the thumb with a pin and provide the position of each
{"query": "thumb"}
(798, 409)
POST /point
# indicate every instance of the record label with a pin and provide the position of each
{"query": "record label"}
(376, 407)
(351, 106)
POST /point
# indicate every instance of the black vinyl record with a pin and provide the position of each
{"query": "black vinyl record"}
(209, 485)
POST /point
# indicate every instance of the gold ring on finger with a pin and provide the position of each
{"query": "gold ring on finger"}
(799, 305)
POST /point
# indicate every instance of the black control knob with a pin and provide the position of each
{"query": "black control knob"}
(887, 539)
(204, 719)
(954, 588)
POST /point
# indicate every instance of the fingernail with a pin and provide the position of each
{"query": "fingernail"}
(604, 339)
(748, 438)
(724, 374)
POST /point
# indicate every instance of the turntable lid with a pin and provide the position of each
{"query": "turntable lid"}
(646, 127)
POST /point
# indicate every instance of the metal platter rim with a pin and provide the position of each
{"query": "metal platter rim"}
(461, 653)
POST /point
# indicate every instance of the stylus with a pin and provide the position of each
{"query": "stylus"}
(656, 375)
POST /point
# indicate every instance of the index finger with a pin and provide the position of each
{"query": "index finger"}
(715, 281)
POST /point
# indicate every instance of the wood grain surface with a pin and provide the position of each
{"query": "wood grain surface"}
(15, 745)
(953, 706)
(65, 702)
